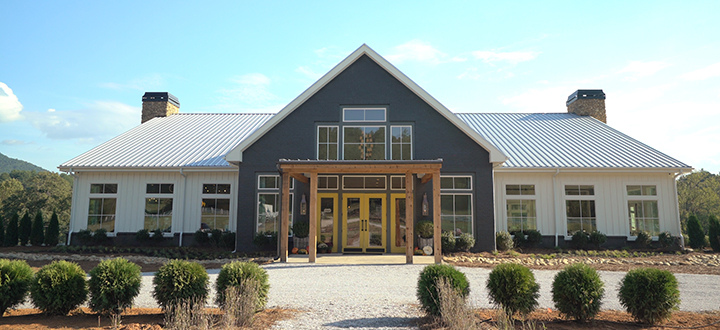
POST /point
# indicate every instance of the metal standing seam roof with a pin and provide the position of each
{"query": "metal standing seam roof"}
(180, 140)
(564, 140)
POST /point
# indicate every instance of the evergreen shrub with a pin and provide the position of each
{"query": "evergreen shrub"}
(301, 229)
(2, 232)
(696, 233)
(580, 240)
(142, 236)
(513, 287)
(534, 238)
(11, 232)
(53, 231)
(714, 233)
(216, 237)
(113, 285)
(238, 274)
(99, 236)
(503, 241)
(157, 236)
(228, 240)
(649, 294)
(427, 287)
(37, 233)
(59, 287)
(15, 279)
(84, 237)
(447, 241)
(519, 240)
(25, 229)
(597, 239)
(425, 229)
(666, 240)
(643, 239)
(465, 242)
(180, 281)
(577, 292)
(201, 238)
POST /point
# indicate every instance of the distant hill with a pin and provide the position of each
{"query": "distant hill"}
(8, 164)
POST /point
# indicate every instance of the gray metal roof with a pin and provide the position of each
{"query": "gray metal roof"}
(180, 140)
(563, 140)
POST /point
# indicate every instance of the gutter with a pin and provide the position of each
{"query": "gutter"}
(72, 205)
(182, 219)
(555, 207)
(677, 208)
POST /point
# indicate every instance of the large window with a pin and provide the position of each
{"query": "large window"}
(102, 205)
(520, 205)
(401, 143)
(268, 204)
(159, 206)
(327, 142)
(456, 211)
(364, 142)
(580, 209)
(643, 209)
(215, 211)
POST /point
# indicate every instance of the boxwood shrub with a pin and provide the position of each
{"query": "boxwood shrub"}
(427, 291)
(15, 279)
(643, 239)
(577, 292)
(513, 287)
(503, 241)
(113, 285)
(180, 281)
(465, 242)
(447, 241)
(236, 274)
(59, 287)
(597, 239)
(649, 295)
(580, 240)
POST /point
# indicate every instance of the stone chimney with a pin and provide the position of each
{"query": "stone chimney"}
(158, 104)
(588, 102)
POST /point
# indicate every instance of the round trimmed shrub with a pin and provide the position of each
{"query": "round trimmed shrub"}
(15, 279)
(577, 292)
(447, 240)
(180, 281)
(157, 236)
(84, 237)
(580, 240)
(649, 295)
(425, 229)
(427, 291)
(113, 285)
(503, 241)
(643, 239)
(597, 239)
(513, 287)
(142, 236)
(519, 240)
(59, 287)
(534, 237)
(201, 237)
(301, 229)
(235, 274)
(465, 242)
(666, 240)
(99, 236)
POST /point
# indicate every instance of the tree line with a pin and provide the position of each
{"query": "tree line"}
(699, 195)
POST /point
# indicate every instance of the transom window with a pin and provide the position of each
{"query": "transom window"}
(397, 182)
(579, 190)
(456, 183)
(364, 114)
(642, 190)
(401, 148)
(215, 188)
(520, 189)
(520, 205)
(328, 182)
(364, 182)
(364, 142)
(272, 182)
(103, 188)
(159, 188)
(328, 142)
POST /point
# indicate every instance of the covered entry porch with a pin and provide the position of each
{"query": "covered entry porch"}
(306, 171)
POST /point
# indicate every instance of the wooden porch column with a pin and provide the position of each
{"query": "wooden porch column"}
(285, 216)
(409, 219)
(437, 223)
(312, 217)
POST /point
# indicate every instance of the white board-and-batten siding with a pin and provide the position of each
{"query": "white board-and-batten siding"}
(611, 200)
(130, 204)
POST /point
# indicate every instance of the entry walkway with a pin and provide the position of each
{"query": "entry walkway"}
(360, 259)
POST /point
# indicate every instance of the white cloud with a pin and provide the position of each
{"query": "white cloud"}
(709, 71)
(248, 90)
(509, 57)
(416, 50)
(10, 106)
(551, 99)
(13, 142)
(308, 72)
(98, 121)
(639, 69)
(147, 83)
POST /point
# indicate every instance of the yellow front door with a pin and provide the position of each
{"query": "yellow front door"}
(364, 223)
(397, 223)
(327, 224)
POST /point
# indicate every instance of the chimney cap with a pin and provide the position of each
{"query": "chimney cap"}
(585, 94)
(161, 97)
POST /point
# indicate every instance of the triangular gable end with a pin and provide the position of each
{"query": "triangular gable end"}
(235, 155)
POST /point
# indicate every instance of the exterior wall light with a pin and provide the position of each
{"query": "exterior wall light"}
(303, 206)
(425, 205)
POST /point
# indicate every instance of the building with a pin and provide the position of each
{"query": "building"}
(362, 150)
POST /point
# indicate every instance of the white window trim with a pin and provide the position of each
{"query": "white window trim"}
(103, 195)
(279, 202)
(161, 195)
(532, 197)
(472, 208)
(629, 198)
(457, 176)
(231, 195)
(337, 138)
(403, 180)
(337, 180)
(364, 176)
(278, 180)
(412, 153)
(363, 126)
(593, 197)
(364, 108)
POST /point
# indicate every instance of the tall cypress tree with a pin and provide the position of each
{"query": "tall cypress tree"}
(25, 229)
(696, 233)
(37, 235)
(2, 232)
(53, 231)
(714, 233)
(11, 233)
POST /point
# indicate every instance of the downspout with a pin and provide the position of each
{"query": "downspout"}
(72, 206)
(677, 209)
(557, 171)
(182, 219)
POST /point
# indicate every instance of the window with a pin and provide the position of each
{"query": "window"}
(580, 209)
(643, 209)
(401, 148)
(327, 143)
(456, 205)
(577, 190)
(364, 114)
(272, 182)
(456, 183)
(215, 210)
(363, 142)
(102, 206)
(159, 206)
(364, 182)
(520, 205)
(328, 182)
(397, 182)
(268, 201)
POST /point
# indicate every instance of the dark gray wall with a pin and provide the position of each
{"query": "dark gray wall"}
(366, 83)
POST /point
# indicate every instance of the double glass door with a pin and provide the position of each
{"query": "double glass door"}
(364, 223)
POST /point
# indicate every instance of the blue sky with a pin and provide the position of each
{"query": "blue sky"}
(72, 73)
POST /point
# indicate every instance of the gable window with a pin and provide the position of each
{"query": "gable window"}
(102, 206)
(327, 143)
(520, 206)
(215, 210)
(401, 142)
(643, 209)
(159, 206)
(456, 212)
(580, 209)
(364, 142)
(268, 204)
(364, 114)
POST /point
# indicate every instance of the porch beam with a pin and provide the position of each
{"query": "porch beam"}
(300, 177)
(313, 218)
(436, 218)
(409, 219)
(360, 169)
(426, 178)
(285, 217)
